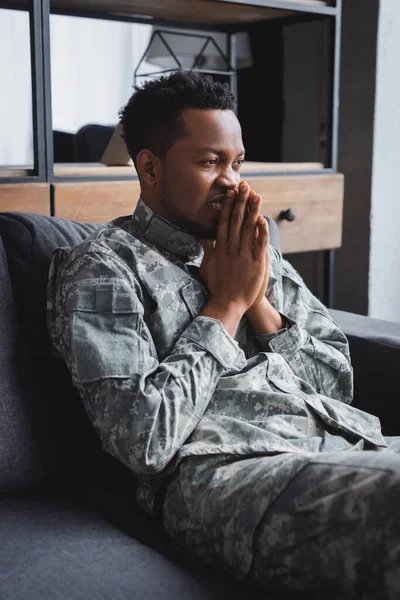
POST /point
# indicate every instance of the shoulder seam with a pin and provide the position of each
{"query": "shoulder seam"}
(111, 255)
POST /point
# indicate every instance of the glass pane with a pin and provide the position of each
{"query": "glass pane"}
(284, 85)
(92, 72)
(16, 139)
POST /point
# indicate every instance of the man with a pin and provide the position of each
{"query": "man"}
(210, 370)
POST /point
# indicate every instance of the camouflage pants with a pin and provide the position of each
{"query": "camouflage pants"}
(324, 523)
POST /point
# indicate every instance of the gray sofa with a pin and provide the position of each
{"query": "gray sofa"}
(69, 524)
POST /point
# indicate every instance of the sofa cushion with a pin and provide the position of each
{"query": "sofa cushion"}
(58, 548)
(36, 394)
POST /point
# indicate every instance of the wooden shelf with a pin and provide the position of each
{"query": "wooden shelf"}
(98, 169)
(211, 13)
(22, 171)
(205, 12)
(94, 169)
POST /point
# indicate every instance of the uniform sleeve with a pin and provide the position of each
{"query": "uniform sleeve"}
(314, 346)
(143, 409)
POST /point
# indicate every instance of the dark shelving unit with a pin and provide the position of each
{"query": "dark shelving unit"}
(228, 16)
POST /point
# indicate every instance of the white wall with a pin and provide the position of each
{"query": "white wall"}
(384, 275)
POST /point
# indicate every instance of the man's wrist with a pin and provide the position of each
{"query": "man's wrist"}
(228, 314)
(264, 318)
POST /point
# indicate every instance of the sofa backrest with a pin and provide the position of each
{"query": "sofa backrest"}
(41, 418)
(22, 460)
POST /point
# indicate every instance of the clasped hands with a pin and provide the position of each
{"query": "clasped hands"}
(235, 267)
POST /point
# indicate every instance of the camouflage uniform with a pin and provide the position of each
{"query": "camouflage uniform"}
(253, 437)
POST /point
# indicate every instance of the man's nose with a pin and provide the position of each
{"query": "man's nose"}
(228, 178)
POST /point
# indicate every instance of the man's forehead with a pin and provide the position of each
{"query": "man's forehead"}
(213, 130)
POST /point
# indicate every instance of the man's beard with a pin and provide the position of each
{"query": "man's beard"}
(198, 231)
(195, 229)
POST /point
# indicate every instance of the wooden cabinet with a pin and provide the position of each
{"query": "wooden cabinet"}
(316, 200)
(32, 197)
(95, 202)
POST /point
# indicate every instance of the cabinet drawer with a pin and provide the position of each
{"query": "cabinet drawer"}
(96, 201)
(25, 197)
(317, 201)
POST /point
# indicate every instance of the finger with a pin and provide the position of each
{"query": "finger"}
(250, 228)
(259, 208)
(261, 246)
(238, 216)
(224, 218)
(251, 195)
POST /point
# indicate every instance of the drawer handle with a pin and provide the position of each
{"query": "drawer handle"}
(287, 215)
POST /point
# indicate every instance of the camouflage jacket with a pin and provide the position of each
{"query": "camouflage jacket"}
(161, 383)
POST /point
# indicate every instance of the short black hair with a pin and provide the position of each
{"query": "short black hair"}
(152, 118)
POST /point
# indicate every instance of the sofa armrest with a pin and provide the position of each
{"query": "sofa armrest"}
(375, 355)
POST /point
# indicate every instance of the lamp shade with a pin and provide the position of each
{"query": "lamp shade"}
(187, 49)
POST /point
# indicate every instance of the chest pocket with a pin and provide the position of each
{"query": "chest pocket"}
(174, 312)
(106, 326)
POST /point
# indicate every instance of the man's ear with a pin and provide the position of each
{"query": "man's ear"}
(147, 166)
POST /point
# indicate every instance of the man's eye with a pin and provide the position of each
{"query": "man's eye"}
(238, 163)
(210, 161)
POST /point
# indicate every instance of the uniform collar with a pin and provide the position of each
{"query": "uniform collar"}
(164, 234)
